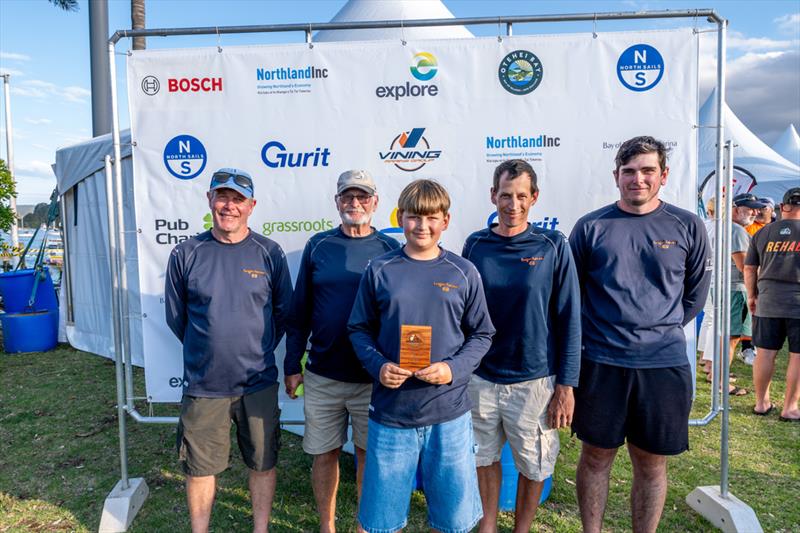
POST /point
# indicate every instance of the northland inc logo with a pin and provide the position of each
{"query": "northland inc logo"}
(185, 157)
(150, 85)
(423, 68)
(520, 72)
(275, 155)
(640, 67)
(410, 151)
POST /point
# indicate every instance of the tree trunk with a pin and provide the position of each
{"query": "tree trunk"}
(137, 23)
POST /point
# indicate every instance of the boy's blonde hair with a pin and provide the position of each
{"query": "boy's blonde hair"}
(424, 197)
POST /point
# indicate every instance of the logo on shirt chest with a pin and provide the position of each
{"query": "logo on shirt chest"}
(253, 273)
(444, 285)
(664, 244)
(531, 261)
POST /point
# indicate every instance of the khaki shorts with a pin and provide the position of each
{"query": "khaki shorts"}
(328, 404)
(517, 412)
(204, 431)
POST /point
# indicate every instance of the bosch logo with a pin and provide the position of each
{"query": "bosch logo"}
(194, 85)
(150, 85)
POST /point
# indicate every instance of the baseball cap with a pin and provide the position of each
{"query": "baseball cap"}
(748, 200)
(232, 178)
(767, 201)
(792, 196)
(358, 179)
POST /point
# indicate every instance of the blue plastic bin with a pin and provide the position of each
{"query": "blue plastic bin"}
(508, 489)
(30, 332)
(16, 287)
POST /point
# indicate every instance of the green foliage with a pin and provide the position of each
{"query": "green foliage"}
(37, 217)
(59, 458)
(66, 5)
(7, 191)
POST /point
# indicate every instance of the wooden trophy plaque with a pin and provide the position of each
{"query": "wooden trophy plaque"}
(415, 347)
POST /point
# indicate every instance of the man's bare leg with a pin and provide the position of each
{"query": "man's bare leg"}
(489, 481)
(325, 482)
(528, 494)
(200, 497)
(649, 489)
(594, 468)
(262, 492)
(361, 455)
(763, 369)
(790, 409)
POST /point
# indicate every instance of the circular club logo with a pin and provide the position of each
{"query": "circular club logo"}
(185, 157)
(424, 66)
(640, 67)
(520, 72)
(150, 85)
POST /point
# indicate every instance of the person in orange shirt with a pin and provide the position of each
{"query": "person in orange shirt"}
(763, 217)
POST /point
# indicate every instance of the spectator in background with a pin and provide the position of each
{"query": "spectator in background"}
(764, 216)
(772, 275)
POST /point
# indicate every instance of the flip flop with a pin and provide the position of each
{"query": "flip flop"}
(737, 391)
(764, 413)
(785, 419)
(731, 378)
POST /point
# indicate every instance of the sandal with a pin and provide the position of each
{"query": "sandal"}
(737, 391)
(764, 413)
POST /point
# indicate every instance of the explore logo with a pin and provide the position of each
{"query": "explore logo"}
(423, 67)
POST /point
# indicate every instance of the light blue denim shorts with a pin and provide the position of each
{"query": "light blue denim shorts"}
(446, 455)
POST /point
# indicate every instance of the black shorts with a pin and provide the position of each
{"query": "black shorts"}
(648, 407)
(204, 431)
(770, 333)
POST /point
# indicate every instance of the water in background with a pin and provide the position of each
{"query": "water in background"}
(54, 251)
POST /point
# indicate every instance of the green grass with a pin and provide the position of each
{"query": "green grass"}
(59, 458)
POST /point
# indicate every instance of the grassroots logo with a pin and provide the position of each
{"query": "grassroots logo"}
(410, 151)
(424, 66)
(150, 85)
(207, 222)
(520, 72)
(640, 67)
(296, 226)
(185, 157)
(275, 155)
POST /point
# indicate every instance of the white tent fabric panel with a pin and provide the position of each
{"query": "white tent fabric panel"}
(773, 173)
(788, 145)
(363, 10)
(81, 180)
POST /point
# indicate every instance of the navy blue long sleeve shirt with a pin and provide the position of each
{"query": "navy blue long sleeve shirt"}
(643, 277)
(228, 305)
(326, 286)
(534, 300)
(444, 293)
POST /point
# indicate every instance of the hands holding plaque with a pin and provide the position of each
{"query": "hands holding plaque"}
(415, 360)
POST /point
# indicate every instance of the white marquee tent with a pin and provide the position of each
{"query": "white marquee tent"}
(758, 168)
(788, 145)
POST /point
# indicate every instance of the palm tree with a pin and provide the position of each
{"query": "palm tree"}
(137, 22)
(66, 5)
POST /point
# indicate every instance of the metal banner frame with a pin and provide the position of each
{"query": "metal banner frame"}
(715, 503)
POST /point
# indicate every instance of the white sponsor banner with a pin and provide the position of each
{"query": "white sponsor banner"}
(295, 117)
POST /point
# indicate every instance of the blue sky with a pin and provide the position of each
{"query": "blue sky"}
(46, 51)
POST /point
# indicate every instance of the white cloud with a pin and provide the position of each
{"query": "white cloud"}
(737, 41)
(38, 121)
(11, 72)
(789, 24)
(39, 169)
(45, 89)
(14, 57)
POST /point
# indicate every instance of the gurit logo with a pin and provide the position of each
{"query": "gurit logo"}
(150, 85)
(520, 72)
(424, 66)
(410, 151)
(275, 155)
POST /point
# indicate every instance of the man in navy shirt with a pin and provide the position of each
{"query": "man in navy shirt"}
(420, 417)
(644, 269)
(227, 296)
(336, 385)
(522, 390)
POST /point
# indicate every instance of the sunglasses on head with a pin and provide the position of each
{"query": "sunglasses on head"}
(241, 180)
